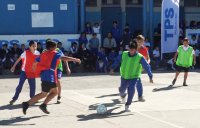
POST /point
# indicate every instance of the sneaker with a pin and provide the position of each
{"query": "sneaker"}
(12, 102)
(174, 81)
(141, 99)
(123, 99)
(127, 108)
(184, 84)
(25, 107)
(43, 107)
(58, 100)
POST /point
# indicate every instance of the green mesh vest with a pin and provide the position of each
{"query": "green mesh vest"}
(130, 66)
(185, 58)
(60, 66)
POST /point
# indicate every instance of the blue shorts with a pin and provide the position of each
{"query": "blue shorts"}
(59, 74)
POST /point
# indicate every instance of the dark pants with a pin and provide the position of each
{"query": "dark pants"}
(22, 79)
(130, 86)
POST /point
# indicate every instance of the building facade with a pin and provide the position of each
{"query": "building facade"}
(141, 15)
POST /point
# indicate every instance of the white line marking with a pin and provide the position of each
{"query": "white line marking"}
(159, 120)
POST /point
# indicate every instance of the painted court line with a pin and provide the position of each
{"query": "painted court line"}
(159, 120)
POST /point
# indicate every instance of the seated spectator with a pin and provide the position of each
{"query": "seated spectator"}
(59, 45)
(156, 56)
(88, 28)
(22, 49)
(86, 58)
(83, 39)
(94, 44)
(111, 57)
(193, 40)
(15, 51)
(74, 49)
(39, 47)
(5, 55)
(109, 43)
(101, 65)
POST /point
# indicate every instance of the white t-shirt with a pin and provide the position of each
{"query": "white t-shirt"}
(186, 48)
(96, 29)
(23, 56)
(156, 53)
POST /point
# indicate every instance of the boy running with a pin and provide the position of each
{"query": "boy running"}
(144, 51)
(28, 58)
(47, 63)
(186, 57)
(59, 75)
(130, 71)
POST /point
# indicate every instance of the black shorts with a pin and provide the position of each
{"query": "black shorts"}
(47, 86)
(180, 69)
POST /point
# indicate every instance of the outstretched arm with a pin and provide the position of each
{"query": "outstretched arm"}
(13, 67)
(66, 58)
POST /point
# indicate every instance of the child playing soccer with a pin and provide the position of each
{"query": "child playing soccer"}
(47, 63)
(144, 51)
(186, 57)
(59, 75)
(130, 71)
(28, 58)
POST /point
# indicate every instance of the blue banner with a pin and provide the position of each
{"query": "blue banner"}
(169, 26)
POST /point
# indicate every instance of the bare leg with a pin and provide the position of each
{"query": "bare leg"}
(37, 97)
(52, 94)
(185, 78)
(176, 76)
(59, 88)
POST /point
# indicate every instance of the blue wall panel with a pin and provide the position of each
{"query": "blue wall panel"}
(134, 17)
(19, 21)
(93, 17)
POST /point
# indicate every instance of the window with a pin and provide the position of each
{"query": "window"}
(157, 3)
(192, 3)
(134, 2)
(91, 3)
(111, 2)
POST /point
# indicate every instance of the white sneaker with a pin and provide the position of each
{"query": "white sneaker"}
(123, 99)
(127, 108)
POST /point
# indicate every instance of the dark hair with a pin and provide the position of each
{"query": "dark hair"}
(60, 42)
(38, 43)
(31, 43)
(5, 45)
(50, 44)
(94, 34)
(133, 44)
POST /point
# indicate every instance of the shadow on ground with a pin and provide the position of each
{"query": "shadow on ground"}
(168, 88)
(18, 120)
(109, 114)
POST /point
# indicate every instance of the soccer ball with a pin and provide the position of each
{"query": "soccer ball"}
(101, 109)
